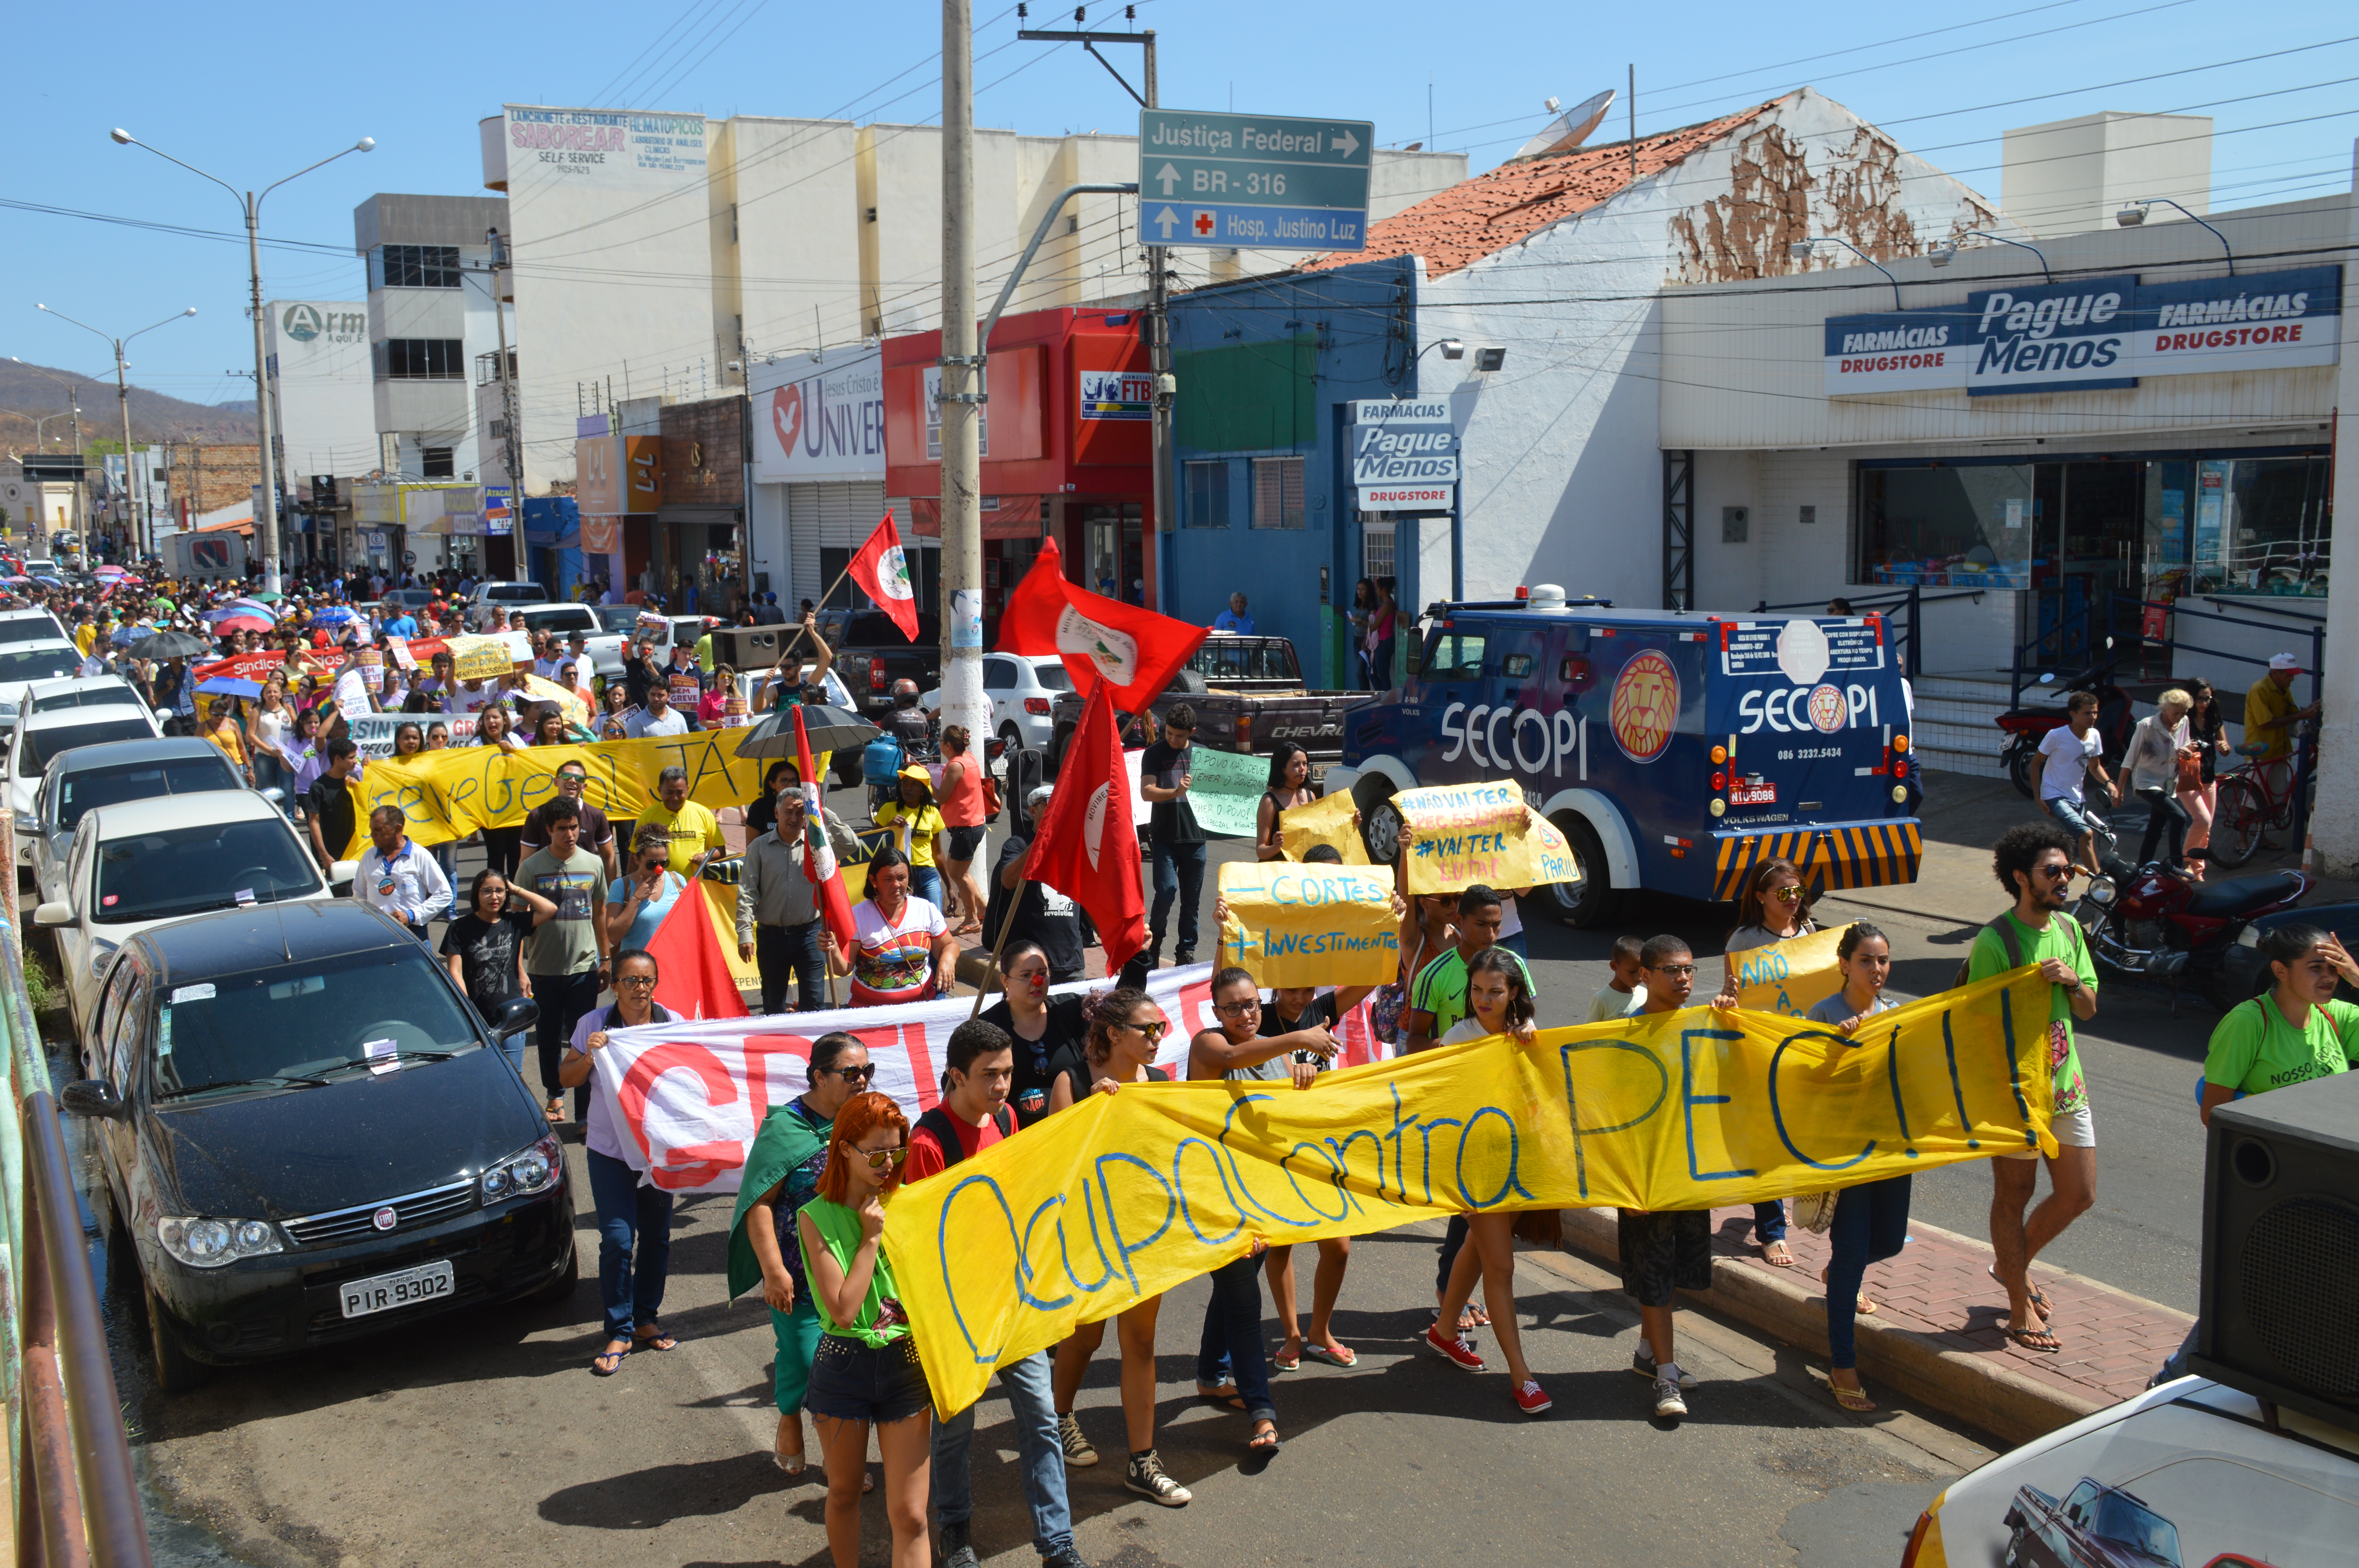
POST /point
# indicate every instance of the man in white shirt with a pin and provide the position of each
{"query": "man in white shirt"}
(657, 718)
(399, 877)
(2071, 752)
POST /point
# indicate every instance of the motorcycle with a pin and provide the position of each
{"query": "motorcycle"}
(2159, 922)
(2028, 726)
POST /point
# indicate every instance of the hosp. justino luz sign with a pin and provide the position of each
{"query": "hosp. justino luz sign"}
(2090, 334)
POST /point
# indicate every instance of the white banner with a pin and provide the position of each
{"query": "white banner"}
(691, 1093)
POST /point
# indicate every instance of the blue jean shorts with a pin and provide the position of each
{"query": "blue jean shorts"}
(2070, 815)
(854, 1380)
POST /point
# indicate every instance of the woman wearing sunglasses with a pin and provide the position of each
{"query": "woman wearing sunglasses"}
(1127, 1029)
(1773, 910)
(866, 1371)
(782, 1174)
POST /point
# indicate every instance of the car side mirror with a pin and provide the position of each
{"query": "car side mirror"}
(54, 914)
(340, 877)
(93, 1096)
(517, 1014)
(274, 794)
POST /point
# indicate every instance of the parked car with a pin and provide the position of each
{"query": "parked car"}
(1248, 695)
(39, 738)
(76, 691)
(2244, 974)
(42, 565)
(500, 595)
(144, 863)
(618, 622)
(90, 776)
(561, 618)
(871, 654)
(308, 1136)
(51, 658)
(1023, 689)
(31, 626)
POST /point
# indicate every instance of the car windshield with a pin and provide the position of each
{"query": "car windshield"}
(1052, 678)
(305, 1021)
(112, 695)
(24, 664)
(187, 871)
(531, 592)
(43, 747)
(2124, 1520)
(82, 792)
(565, 620)
(29, 629)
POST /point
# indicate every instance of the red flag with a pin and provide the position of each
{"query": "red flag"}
(883, 575)
(692, 977)
(819, 863)
(1087, 846)
(1135, 650)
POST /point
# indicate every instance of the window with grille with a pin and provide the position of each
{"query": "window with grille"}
(1208, 494)
(417, 266)
(1377, 550)
(434, 462)
(421, 359)
(1278, 493)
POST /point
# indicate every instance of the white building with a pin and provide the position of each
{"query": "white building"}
(432, 333)
(323, 393)
(819, 469)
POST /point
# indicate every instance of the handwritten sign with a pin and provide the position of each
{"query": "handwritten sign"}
(1225, 789)
(1126, 1195)
(1788, 977)
(481, 658)
(1292, 925)
(1457, 835)
(1332, 819)
(351, 693)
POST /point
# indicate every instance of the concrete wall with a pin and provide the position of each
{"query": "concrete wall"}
(2068, 176)
(327, 415)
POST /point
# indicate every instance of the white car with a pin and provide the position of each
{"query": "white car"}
(31, 626)
(88, 777)
(77, 691)
(39, 738)
(508, 595)
(1023, 691)
(22, 664)
(145, 862)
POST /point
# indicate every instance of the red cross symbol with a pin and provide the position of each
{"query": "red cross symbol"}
(1203, 222)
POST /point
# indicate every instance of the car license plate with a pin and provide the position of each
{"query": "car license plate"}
(406, 1287)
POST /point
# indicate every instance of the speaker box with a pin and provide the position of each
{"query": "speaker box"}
(2280, 1294)
(743, 648)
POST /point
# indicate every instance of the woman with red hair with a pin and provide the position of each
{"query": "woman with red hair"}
(866, 1371)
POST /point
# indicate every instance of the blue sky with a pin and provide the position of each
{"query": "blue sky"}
(256, 91)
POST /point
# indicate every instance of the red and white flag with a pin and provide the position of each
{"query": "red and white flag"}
(693, 975)
(819, 855)
(883, 574)
(1087, 846)
(1136, 652)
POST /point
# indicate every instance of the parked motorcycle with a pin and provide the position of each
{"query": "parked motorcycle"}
(2161, 923)
(2028, 726)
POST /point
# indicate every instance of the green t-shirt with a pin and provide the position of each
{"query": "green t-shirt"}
(881, 1319)
(2061, 939)
(2255, 1049)
(1441, 989)
(566, 943)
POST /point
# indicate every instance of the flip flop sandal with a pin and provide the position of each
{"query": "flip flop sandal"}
(1777, 1255)
(1281, 1363)
(598, 1362)
(2038, 1297)
(658, 1340)
(792, 1467)
(2024, 1338)
(1263, 1441)
(1226, 1399)
(1333, 1356)
(1852, 1399)
(1481, 1317)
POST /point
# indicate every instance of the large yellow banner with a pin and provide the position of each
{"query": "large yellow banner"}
(1459, 835)
(1310, 925)
(1128, 1195)
(450, 794)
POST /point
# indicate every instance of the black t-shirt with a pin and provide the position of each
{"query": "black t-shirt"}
(1320, 1013)
(634, 681)
(1174, 821)
(1081, 1075)
(331, 800)
(1040, 1062)
(487, 956)
(1044, 915)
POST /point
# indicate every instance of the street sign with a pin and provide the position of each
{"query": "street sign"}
(1254, 181)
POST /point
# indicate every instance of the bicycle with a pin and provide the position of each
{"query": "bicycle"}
(2258, 795)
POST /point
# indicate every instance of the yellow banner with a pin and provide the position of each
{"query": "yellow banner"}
(1310, 925)
(450, 794)
(481, 658)
(1128, 1195)
(1785, 976)
(1330, 820)
(1459, 835)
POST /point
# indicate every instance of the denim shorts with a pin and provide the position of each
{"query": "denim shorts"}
(854, 1380)
(2070, 815)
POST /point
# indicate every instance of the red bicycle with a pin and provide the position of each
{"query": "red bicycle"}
(2255, 797)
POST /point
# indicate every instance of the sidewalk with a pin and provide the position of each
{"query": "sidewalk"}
(1934, 1335)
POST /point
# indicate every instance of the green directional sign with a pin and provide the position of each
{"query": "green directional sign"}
(1261, 181)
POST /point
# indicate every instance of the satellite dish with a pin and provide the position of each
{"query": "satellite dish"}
(1569, 129)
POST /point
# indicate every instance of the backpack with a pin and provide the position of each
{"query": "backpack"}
(937, 1121)
(2006, 929)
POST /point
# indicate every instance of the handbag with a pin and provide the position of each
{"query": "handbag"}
(1815, 1211)
(2191, 773)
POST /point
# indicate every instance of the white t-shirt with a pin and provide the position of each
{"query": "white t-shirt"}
(642, 723)
(1510, 922)
(2067, 758)
(1609, 1004)
(463, 701)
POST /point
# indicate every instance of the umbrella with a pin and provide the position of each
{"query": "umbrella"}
(229, 685)
(14, 581)
(128, 633)
(829, 729)
(266, 598)
(110, 570)
(240, 621)
(50, 581)
(170, 645)
(334, 615)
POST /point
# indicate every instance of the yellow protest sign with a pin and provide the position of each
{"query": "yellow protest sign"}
(542, 690)
(1128, 1195)
(450, 794)
(481, 658)
(1786, 977)
(1459, 835)
(1330, 820)
(1310, 925)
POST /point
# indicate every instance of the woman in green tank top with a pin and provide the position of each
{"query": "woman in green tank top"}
(866, 1371)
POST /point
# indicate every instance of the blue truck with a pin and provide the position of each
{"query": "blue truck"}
(1676, 750)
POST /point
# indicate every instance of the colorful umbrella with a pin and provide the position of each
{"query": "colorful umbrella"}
(334, 615)
(110, 570)
(241, 621)
(266, 598)
(228, 686)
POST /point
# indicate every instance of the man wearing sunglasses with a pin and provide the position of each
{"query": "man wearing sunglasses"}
(2033, 861)
(597, 834)
(972, 1116)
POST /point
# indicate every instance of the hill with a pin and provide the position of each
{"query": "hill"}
(26, 392)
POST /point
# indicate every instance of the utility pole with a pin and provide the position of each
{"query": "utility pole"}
(1158, 363)
(511, 442)
(961, 394)
(122, 397)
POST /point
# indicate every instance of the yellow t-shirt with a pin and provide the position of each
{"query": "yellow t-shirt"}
(691, 831)
(913, 831)
(83, 637)
(2266, 707)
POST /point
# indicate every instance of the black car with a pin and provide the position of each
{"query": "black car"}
(871, 654)
(308, 1136)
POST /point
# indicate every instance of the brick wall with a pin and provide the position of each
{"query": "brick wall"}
(204, 476)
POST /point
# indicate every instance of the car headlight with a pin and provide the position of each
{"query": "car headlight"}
(210, 1243)
(533, 1171)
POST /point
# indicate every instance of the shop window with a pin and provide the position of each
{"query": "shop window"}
(1208, 495)
(1966, 525)
(2261, 526)
(1278, 493)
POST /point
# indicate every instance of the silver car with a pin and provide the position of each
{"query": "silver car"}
(111, 774)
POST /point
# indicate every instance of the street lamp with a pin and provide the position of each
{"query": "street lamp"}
(2131, 216)
(122, 398)
(73, 401)
(1800, 251)
(1949, 253)
(266, 525)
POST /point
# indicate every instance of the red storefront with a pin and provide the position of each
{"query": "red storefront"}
(1066, 440)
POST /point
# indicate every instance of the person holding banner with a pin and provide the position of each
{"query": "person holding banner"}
(781, 1175)
(1289, 786)
(866, 1370)
(901, 949)
(502, 845)
(780, 925)
(1665, 1251)
(1050, 1033)
(1773, 909)
(761, 811)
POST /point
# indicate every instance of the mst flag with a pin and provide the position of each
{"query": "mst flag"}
(819, 855)
(692, 974)
(1087, 847)
(1137, 651)
(883, 574)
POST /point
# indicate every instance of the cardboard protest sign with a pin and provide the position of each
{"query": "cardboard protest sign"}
(351, 693)
(1292, 925)
(1330, 820)
(1786, 977)
(1225, 789)
(1459, 835)
(481, 658)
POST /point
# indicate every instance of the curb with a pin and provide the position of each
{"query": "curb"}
(1975, 1389)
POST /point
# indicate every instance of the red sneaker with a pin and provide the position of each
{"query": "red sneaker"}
(1461, 1354)
(1531, 1399)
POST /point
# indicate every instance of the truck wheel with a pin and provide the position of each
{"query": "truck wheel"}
(1054, 761)
(1591, 901)
(1380, 819)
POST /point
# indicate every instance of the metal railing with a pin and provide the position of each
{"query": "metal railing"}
(76, 1500)
(1907, 641)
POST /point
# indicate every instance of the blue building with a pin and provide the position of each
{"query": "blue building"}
(1266, 370)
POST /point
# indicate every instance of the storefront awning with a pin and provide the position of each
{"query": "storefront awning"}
(1004, 516)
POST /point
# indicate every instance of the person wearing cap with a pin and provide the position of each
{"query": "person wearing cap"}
(1043, 915)
(918, 832)
(2270, 711)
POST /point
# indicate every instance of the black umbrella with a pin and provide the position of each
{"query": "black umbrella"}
(171, 645)
(829, 729)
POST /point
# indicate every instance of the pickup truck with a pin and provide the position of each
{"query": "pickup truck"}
(499, 595)
(1248, 695)
(608, 624)
(871, 654)
(2093, 1526)
(1676, 750)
